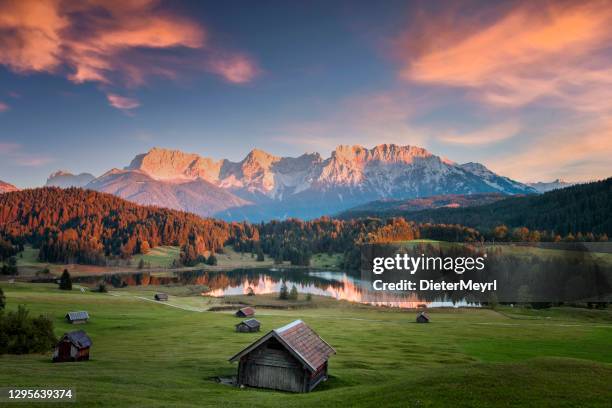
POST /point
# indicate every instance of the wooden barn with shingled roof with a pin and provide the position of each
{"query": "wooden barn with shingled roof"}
(248, 326)
(291, 358)
(245, 312)
(73, 346)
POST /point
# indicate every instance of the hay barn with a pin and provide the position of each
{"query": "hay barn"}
(248, 326)
(161, 297)
(422, 318)
(77, 317)
(245, 312)
(291, 358)
(73, 346)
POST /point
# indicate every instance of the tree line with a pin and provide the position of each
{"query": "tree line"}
(82, 226)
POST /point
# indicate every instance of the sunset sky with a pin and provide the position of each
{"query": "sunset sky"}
(522, 87)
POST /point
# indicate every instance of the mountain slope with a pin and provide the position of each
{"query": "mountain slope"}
(85, 226)
(391, 208)
(583, 207)
(64, 179)
(197, 196)
(7, 187)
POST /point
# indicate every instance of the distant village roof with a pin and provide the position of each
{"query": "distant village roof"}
(79, 338)
(300, 340)
(77, 316)
(252, 323)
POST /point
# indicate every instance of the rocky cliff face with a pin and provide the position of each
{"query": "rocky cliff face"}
(264, 186)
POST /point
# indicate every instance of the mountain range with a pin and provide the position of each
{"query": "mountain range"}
(264, 186)
(66, 179)
(543, 187)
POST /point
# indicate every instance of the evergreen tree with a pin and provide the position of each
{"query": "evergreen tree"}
(212, 260)
(65, 281)
(293, 294)
(2, 300)
(260, 255)
(284, 293)
(141, 264)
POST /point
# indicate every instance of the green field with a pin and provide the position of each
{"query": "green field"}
(148, 354)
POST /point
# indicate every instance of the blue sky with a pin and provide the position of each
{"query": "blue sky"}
(86, 86)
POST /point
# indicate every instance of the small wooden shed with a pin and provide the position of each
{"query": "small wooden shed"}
(422, 318)
(291, 358)
(248, 326)
(77, 317)
(161, 297)
(73, 346)
(245, 312)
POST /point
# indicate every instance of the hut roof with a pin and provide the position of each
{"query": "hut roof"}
(251, 323)
(247, 311)
(300, 340)
(79, 338)
(424, 315)
(77, 315)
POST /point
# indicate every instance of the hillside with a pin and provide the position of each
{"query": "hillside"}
(583, 207)
(84, 226)
(386, 208)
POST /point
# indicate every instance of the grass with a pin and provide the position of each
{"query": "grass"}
(147, 354)
(158, 257)
(326, 261)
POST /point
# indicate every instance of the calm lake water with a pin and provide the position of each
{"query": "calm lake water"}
(339, 285)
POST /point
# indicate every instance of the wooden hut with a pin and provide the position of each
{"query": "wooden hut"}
(73, 346)
(161, 297)
(77, 317)
(422, 318)
(245, 312)
(291, 358)
(248, 326)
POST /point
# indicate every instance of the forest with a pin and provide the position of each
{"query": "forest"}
(87, 227)
(584, 208)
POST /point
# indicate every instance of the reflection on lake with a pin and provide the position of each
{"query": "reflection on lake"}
(338, 285)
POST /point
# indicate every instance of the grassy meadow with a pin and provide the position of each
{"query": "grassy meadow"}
(148, 354)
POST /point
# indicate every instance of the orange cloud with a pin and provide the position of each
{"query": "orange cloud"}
(484, 136)
(581, 154)
(111, 42)
(557, 50)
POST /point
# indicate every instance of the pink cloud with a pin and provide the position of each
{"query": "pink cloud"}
(14, 152)
(3, 107)
(554, 50)
(236, 68)
(113, 43)
(122, 102)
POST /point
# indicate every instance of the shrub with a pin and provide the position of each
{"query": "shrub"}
(21, 334)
